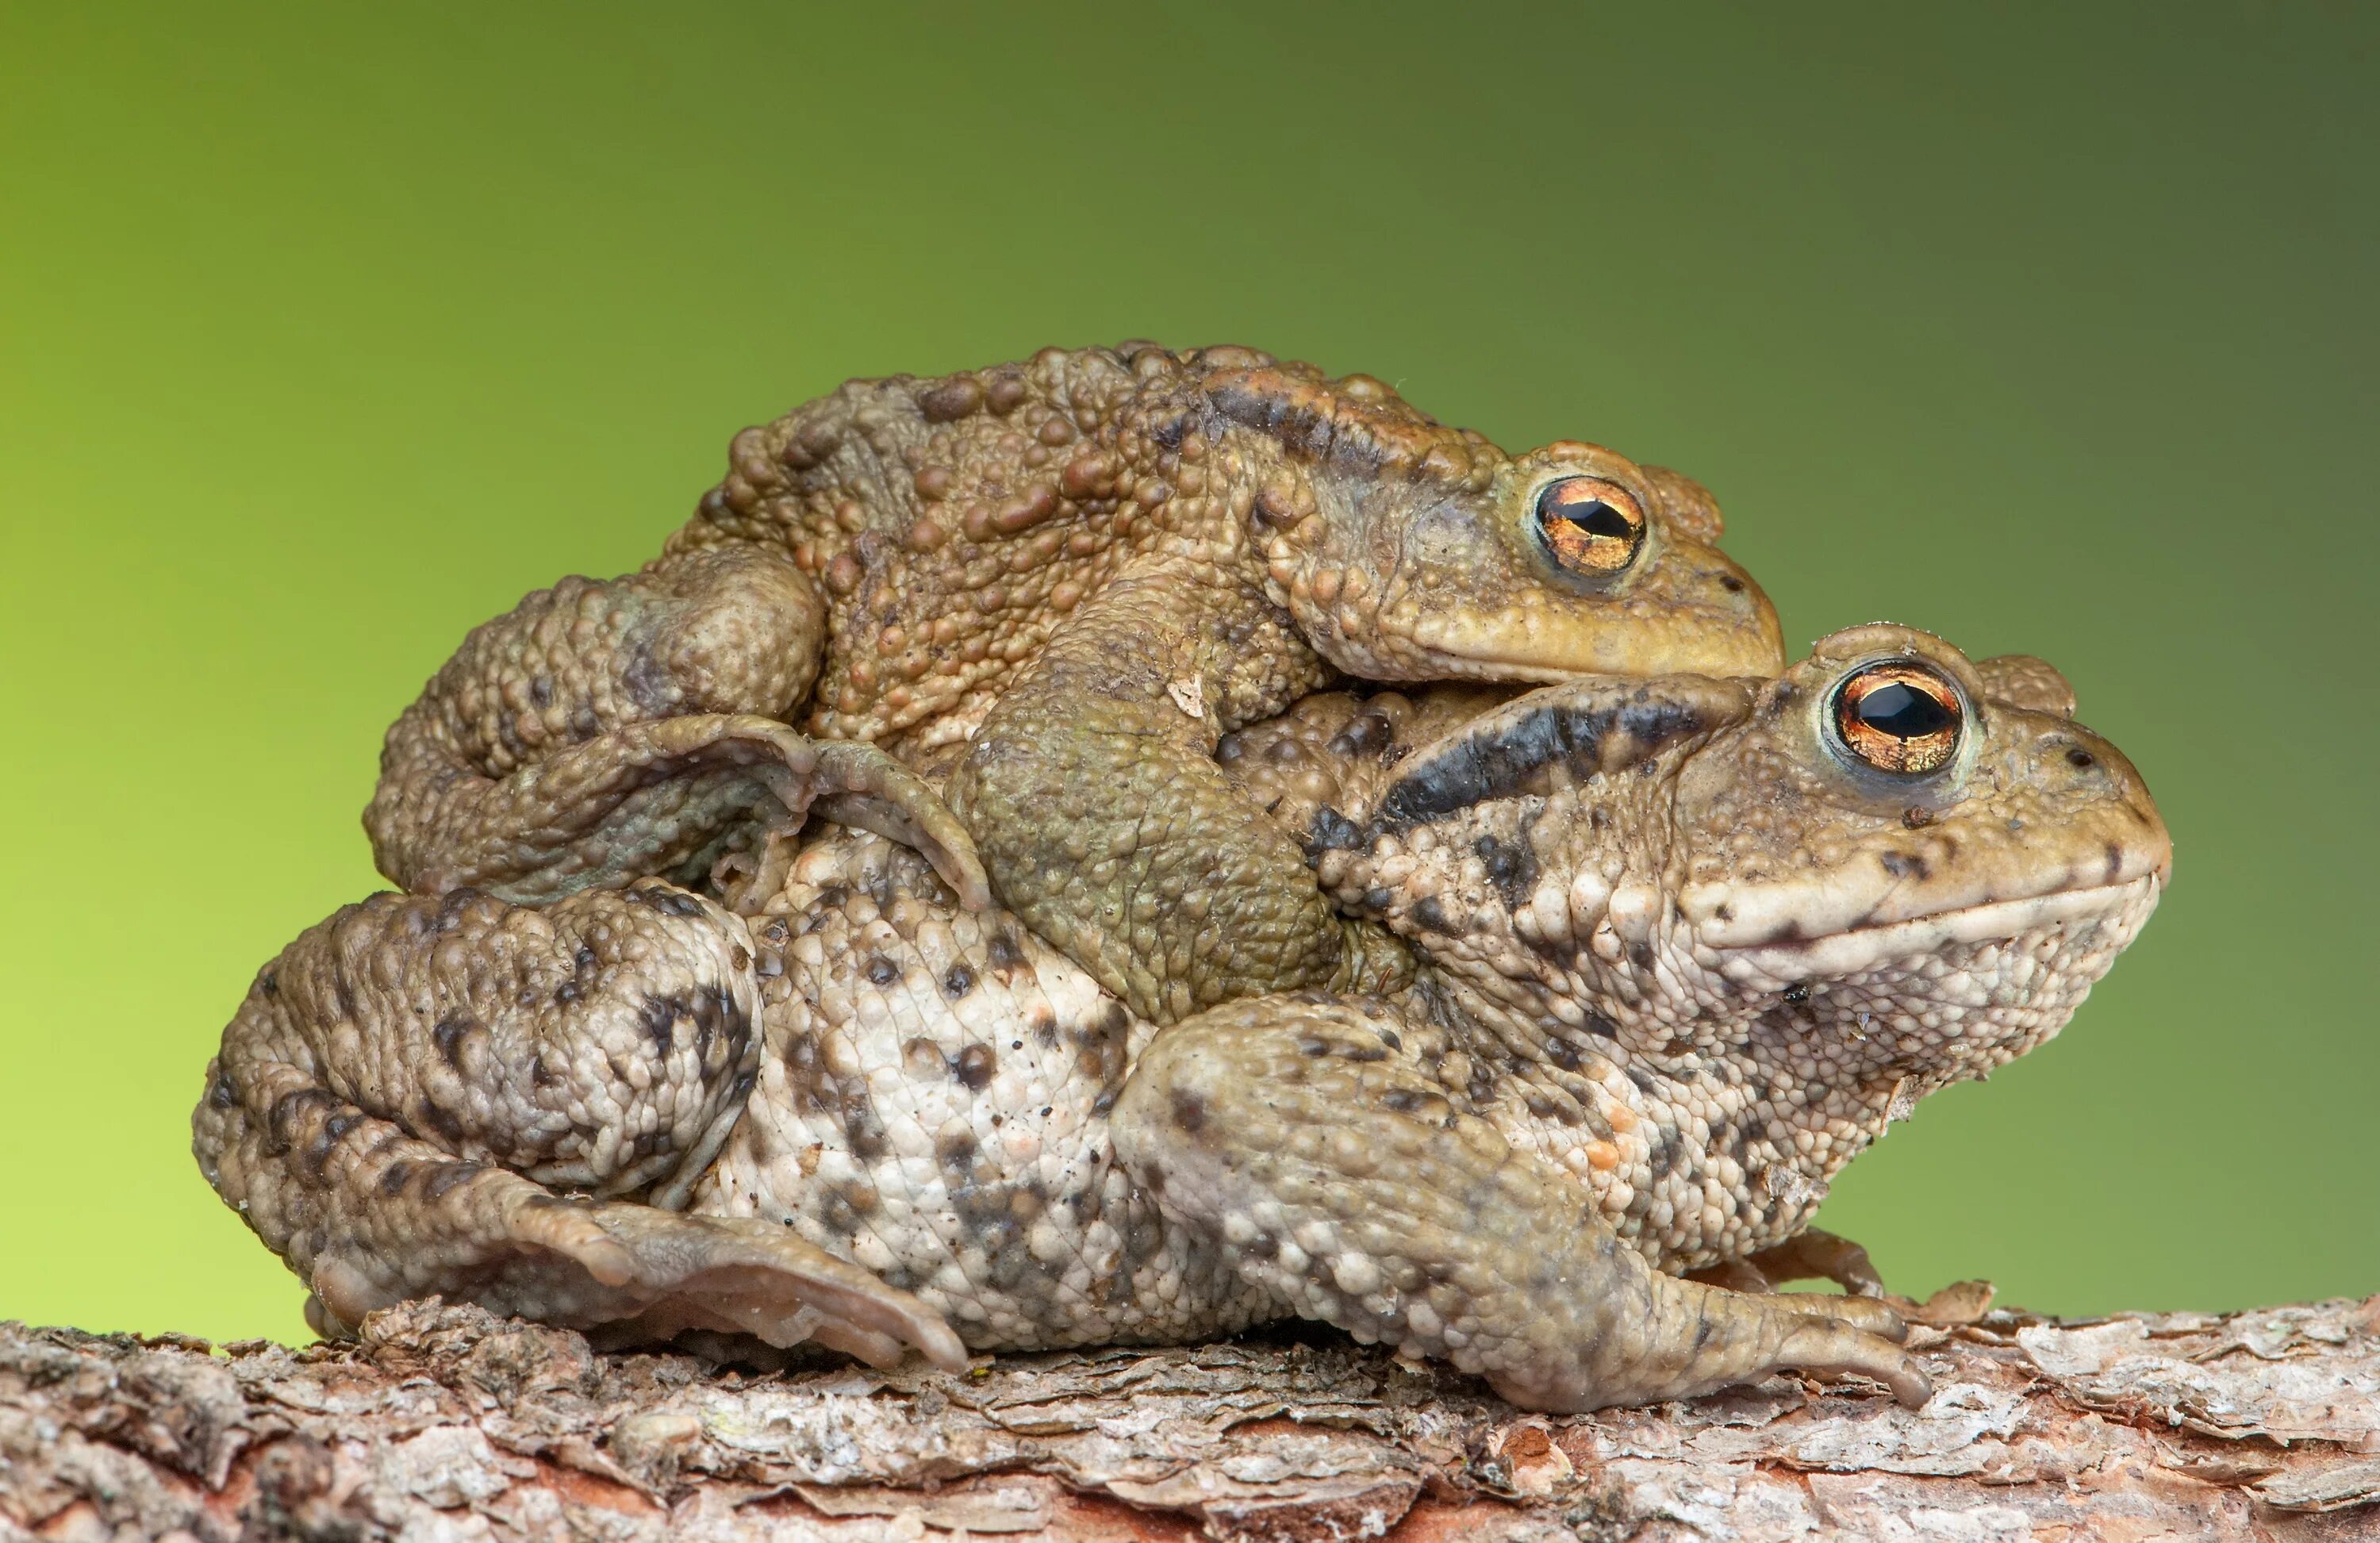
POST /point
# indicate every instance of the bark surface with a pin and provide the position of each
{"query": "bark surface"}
(446, 1422)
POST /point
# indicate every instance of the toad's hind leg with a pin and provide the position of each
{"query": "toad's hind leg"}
(1106, 825)
(1350, 1183)
(600, 732)
(506, 1105)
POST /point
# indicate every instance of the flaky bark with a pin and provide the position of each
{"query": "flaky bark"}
(447, 1422)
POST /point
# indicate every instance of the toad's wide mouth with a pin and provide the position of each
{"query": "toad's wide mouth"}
(1780, 962)
(1696, 640)
(1860, 895)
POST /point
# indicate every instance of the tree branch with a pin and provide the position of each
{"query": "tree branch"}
(447, 1422)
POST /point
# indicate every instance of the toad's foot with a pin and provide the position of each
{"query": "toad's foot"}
(1297, 1130)
(664, 798)
(1811, 1254)
(650, 1275)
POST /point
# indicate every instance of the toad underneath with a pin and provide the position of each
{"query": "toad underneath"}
(1082, 569)
(1687, 946)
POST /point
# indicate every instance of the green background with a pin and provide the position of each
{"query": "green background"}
(326, 332)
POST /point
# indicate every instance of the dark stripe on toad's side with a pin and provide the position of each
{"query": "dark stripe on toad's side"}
(1497, 760)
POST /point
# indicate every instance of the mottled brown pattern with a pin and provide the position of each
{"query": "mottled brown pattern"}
(1681, 957)
(1072, 574)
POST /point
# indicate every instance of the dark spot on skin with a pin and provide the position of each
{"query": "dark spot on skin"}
(221, 1093)
(452, 905)
(1905, 865)
(447, 1176)
(583, 725)
(1430, 917)
(566, 993)
(1170, 431)
(1500, 759)
(1511, 867)
(882, 971)
(540, 691)
(660, 1016)
(393, 1178)
(442, 1121)
(1643, 1079)
(287, 1112)
(848, 1203)
(1798, 993)
(1664, 1153)
(1045, 1026)
(1363, 1054)
(1003, 953)
(668, 901)
(1331, 832)
(833, 897)
(1368, 735)
(448, 1035)
(863, 1131)
(1562, 1054)
(1782, 698)
(2115, 856)
(1641, 956)
(956, 1148)
(317, 1155)
(1263, 1246)
(1189, 1113)
(974, 1066)
(1596, 1023)
(268, 983)
(647, 681)
(958, 982)
(1311, 1044)
(1390, 1038)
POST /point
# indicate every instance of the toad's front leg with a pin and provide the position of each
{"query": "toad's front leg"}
(1349, 1183)
(600, 732)
(1104, 823)
(508, 1106)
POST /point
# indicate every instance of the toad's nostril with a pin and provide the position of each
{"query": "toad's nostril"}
(2078, 758)
(1731, 584)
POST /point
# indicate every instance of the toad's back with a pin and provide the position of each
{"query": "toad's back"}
(953, 522)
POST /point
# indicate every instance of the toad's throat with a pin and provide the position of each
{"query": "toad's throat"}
(2121, 908)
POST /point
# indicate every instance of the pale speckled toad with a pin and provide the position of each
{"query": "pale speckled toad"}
(1688, 945)
(1091, 564)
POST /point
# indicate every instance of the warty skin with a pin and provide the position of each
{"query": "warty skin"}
(1683, 955)
(1076, 572)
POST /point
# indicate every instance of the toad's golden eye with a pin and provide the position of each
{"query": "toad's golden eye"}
(1591, 525)
(1900, 717)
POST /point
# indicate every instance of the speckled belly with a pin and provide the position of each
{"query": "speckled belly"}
(933, 1106)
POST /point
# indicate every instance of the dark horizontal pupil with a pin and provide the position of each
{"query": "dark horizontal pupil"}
(1903, 712)
(1596, 518)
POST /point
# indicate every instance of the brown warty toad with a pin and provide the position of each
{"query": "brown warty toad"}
(1085, 567)
(1687, 946)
